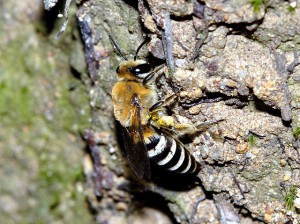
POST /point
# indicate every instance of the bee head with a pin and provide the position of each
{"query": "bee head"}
(133, 70)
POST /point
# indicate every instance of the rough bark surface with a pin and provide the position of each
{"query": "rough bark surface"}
(234, 60)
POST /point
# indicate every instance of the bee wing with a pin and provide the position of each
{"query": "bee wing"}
(136, 150)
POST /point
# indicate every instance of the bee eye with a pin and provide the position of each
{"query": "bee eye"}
(118, 69)
(141, 69)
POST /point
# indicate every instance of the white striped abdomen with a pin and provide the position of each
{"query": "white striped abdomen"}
(166, 152)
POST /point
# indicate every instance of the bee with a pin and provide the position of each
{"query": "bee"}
(147, 129)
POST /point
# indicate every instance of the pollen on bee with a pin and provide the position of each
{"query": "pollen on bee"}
(166, 121)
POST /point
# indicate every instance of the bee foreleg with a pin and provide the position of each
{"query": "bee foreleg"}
(158, 71)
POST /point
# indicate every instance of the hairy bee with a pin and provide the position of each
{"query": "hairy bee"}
(146, 126)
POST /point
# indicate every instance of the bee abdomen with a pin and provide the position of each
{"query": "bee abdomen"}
(168, 153)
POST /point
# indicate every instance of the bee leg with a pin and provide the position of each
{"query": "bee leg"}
(156, 105)
(183, 129)
(204, 125)
(158, 71)
(168, 123)
(162, 103)
(148, 78)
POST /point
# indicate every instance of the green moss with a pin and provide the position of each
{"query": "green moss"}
(291, 9)
(256, 4)
(296, 132)
(40, 115)
(16, 102)
(57, 181)
(290, 197)
(78, 174)
(252, 140)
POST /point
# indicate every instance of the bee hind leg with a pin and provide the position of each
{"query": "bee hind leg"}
(202, 126)
(184, 128)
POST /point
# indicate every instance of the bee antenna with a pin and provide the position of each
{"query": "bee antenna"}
(117, 47)
(141, 45)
